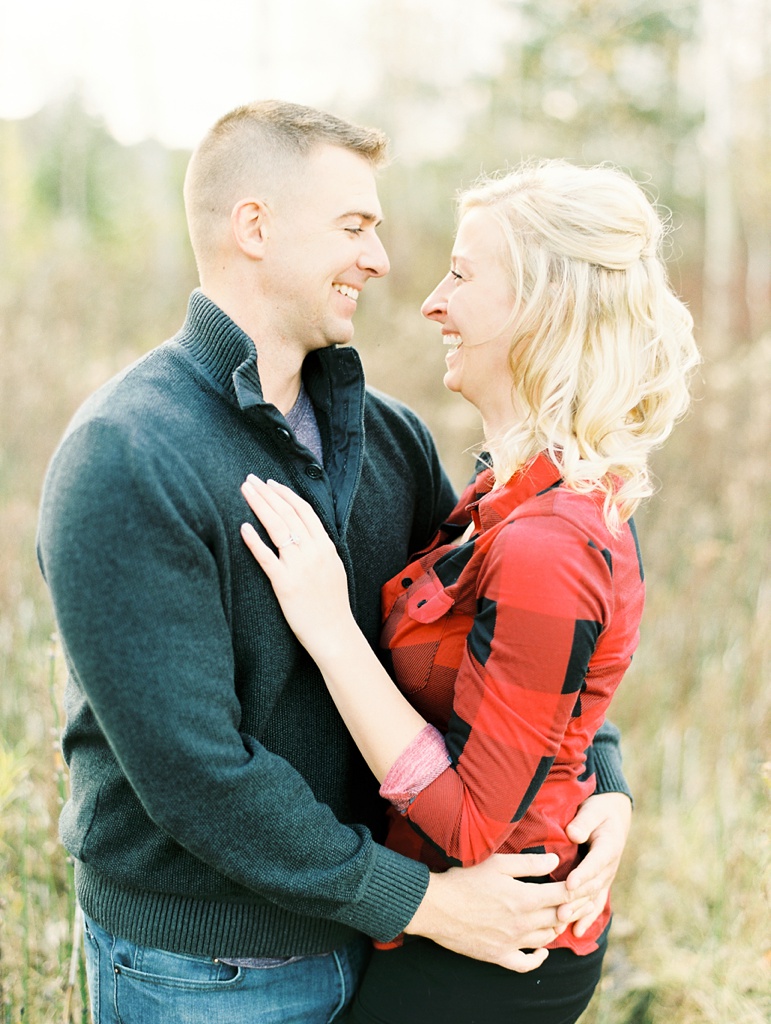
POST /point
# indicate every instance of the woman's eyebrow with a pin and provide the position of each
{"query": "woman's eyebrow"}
(459, 259)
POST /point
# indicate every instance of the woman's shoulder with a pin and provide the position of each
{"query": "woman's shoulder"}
(560, 524)
(568, 525)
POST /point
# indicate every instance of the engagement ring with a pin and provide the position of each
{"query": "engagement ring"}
(291, 540)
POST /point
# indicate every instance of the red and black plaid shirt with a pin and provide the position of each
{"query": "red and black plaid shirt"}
(510, 644)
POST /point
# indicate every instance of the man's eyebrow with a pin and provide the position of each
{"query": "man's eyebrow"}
(367, 216)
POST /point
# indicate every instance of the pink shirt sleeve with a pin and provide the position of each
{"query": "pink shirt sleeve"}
(422, 761)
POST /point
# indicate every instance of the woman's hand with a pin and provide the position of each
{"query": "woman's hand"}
(309, 580)
(306, 572)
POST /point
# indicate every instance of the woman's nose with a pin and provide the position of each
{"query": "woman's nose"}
(435, 306)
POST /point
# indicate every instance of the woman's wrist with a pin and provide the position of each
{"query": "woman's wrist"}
(340, 646)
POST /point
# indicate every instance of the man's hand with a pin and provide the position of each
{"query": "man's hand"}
(485, 913)
(603, 821)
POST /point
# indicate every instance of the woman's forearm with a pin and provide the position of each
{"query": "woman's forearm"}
(379, 718)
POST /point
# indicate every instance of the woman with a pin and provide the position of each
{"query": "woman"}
(509, 634)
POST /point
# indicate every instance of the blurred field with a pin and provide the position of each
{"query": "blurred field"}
(86, 290)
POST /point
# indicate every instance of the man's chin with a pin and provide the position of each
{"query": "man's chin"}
(331, 335)
(340, 337)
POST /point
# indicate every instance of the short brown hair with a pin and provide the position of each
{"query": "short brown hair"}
(260, 146)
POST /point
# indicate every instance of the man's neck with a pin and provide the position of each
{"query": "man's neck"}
(278, 389)
(279, 365)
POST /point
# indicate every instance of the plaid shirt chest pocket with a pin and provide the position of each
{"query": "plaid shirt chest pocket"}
(414, 627)
(427, 600)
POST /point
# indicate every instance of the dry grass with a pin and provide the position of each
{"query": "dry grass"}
(693, 898)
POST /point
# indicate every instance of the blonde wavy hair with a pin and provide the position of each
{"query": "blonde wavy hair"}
(602, 349)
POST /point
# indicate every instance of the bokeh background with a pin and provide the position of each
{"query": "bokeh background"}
(100, 105)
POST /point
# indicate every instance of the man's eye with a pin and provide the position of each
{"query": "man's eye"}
(355, 231)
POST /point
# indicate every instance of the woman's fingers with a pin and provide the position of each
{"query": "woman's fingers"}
(283, 525)
(305, 570)
(265, 558)
(301, 507)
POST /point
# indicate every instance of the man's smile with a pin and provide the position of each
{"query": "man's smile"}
(348, 290)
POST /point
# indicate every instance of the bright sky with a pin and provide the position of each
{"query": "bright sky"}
(169, 68)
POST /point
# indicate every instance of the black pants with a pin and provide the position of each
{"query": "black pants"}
(422, 983)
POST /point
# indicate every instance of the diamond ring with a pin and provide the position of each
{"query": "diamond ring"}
(290, 540)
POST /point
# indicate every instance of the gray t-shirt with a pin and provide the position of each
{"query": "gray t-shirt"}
(302, 419)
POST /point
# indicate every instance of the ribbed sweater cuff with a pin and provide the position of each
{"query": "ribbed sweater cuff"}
(393, 893)
(607, 769)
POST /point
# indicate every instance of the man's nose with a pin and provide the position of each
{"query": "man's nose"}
(375, 258)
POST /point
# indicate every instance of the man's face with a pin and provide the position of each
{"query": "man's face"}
(323, 247)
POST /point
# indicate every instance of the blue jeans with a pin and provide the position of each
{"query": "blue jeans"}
(131, 984)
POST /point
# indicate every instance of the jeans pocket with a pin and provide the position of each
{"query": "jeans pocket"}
(158, 967)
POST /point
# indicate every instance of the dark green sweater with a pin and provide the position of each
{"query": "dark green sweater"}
(218, 804)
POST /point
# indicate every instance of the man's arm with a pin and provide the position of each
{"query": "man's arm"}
(127, 546)
(606, 757)
(602, 822)
(485, 912)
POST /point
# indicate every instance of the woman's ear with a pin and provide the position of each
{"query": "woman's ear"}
(249, 222)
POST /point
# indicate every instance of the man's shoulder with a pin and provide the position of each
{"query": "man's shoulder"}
(148, 414)
(136, 438)
(143, 395)
(392, 411)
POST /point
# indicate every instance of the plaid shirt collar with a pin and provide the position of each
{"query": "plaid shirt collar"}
(489, 507)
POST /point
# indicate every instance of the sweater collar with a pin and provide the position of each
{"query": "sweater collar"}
(223, 351)
(229, 358)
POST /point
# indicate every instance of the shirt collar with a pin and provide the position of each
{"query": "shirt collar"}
(489, 507)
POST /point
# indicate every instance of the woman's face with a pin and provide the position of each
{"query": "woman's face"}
(473, 303)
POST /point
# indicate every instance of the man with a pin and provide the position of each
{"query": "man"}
(221, 819)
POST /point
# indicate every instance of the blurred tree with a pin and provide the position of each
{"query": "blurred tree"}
(677, 93)
(606, 80)
(14, 184)
(97, 265)
(739, 102)
(594, 80)
(721, 272)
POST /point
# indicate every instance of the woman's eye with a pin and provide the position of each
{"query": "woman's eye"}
(354, 231)
(456, 275)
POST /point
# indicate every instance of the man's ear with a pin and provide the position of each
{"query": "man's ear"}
(249, 222)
